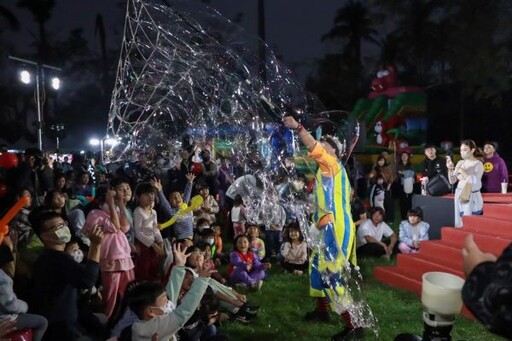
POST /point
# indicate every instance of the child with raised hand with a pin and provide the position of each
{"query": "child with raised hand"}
(235, 302)
(257, 244)
(147, 234)
(157, 308)
(183, 227)
(412, 231)
(245, 268)
(294, 251)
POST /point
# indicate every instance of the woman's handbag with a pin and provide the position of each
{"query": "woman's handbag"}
(438, 185)
(465, 193)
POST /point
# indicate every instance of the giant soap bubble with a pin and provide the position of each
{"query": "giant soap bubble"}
(189, 77)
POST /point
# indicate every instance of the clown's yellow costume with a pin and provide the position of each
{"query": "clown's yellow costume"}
(334, 220)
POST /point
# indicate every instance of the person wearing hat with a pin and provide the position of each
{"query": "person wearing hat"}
(495, 169)
(332, 217)
(433, 164)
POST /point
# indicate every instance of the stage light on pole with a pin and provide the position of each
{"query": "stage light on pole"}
(94, 142)
(55, 83)
(25, 77)
(39, 74)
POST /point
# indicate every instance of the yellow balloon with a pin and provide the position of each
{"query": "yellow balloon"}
(195, 203)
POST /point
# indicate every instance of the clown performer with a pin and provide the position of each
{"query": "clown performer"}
(336, 229)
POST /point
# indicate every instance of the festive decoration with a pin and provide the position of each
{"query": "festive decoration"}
(8, 160)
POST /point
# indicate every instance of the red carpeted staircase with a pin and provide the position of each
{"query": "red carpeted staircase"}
(492, 232)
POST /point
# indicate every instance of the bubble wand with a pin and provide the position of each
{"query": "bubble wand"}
(4, 229)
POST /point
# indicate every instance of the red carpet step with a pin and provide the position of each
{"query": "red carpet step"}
(492, 232)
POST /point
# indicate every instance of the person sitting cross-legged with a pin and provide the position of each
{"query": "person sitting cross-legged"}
(370, 234)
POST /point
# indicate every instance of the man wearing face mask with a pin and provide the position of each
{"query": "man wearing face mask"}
(57, 277)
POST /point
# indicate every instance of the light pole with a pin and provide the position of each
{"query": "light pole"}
(39, 74)
(109, 141)
(58, 130)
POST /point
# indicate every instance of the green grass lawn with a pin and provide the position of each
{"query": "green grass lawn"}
(284, 300)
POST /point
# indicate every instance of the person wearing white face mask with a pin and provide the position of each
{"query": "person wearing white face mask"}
(57, 277)
(156, 306)
(468, 176)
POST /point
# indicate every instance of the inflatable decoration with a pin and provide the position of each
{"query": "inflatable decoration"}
(392, 112)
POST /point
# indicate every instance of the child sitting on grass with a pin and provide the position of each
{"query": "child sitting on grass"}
(294, 251)
(201, 326)
(245, 268)
(257, 244)
(157, 308)
(412, 231)
(233, 301)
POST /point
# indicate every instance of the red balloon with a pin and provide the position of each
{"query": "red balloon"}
(196, 168)
(418, 177)
(8, 160)
(3, 189)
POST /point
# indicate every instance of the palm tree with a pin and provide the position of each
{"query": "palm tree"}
(41, 10)
(353, 25)
(12, 22)
(415, 42)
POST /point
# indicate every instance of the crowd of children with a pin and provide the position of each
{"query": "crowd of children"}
(95, 259)
(123, 259)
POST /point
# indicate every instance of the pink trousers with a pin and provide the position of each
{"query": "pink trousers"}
(114, 283)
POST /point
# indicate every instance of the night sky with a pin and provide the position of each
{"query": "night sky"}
(293, 27)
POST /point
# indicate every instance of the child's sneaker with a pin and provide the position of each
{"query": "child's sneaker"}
(240, 316)
(240, 286)
(249, 310)
(316, 315)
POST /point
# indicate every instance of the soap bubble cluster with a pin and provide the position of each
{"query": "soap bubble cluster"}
(189, 77)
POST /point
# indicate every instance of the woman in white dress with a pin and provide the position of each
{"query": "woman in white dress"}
(468, 170)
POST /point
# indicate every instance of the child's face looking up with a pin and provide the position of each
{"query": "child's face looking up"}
(196, 259)
(253, 232)
(58, 200)
(175, 199)
(294, 234)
